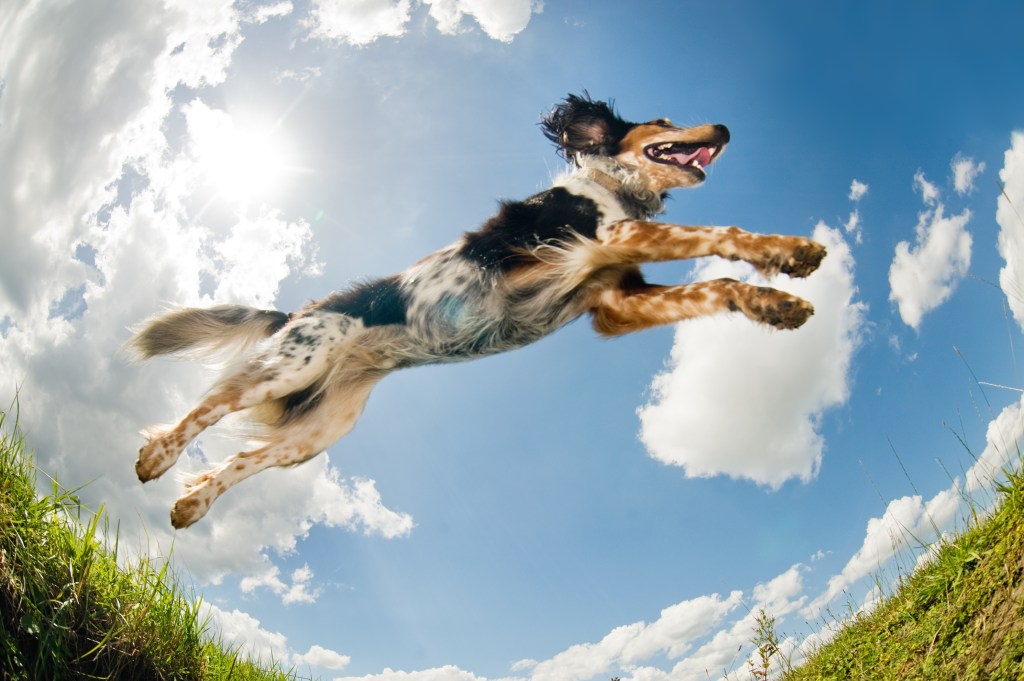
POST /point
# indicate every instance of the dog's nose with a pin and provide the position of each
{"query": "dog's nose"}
(723, 131)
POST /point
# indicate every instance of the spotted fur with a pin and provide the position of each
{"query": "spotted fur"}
(571, 250)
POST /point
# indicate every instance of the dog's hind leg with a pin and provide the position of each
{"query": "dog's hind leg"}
(620, 311)
(291, 360)
(332, 418)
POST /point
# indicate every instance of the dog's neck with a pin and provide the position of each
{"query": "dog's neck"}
(625, 183)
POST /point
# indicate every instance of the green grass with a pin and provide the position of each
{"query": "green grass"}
(69, 610)
(960, 616)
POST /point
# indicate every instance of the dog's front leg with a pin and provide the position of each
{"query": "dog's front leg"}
(638, 241)
(618, 311)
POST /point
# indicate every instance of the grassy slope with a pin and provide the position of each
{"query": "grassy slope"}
(959, 617)
(68, 610)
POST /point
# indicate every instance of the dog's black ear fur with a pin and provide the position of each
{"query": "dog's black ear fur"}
(580, 125)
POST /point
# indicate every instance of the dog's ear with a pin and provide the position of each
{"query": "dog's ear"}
(580, 125)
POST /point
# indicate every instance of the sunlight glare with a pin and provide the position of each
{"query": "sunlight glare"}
(245, 165)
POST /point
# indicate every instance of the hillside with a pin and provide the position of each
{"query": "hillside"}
(68, 610)
(961, 616)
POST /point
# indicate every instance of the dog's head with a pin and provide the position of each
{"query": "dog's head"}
(665, 155)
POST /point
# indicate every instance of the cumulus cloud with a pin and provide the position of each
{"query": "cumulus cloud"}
(965, 171)
(853, 225)
(857, 190)
(776, 385)
(361, 22)
(501, 20)
(1010, 216)
(318, 656)
(671, 635)
(299, 591)
(929, 192)
(240, 630)
(924, 275)
(630, 651)
(445, 673)
(884, 538)
(357, 22)
(260, 14)
(1002, 445)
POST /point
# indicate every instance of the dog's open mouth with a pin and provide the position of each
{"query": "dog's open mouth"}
(697, 156)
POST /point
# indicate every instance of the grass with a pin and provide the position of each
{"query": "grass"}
(960, 616)
(70, 610)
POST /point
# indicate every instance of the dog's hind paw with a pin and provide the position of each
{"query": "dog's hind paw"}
(192, 506)
(156, 456)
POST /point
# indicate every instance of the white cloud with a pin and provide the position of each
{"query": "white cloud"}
(273, 511)
(671, 635)
(240, 630)
(746, 401)
(263, 13)
(778, 597)
(357, 22)
(781, 595)
(523, 665)
(300, 590)
(501, 20)
(361, 22)
(325, 658)
(1010, 216)
(857, 190)
(445, 673)
(854, 227)
(929, 192)
(924, 275)
(1002, 449)
(965, 171)
(884, 538)
(303, 75)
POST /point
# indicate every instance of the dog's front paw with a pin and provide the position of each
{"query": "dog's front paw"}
(779, 309)
(804, 259)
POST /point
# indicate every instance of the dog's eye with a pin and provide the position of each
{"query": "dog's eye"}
(663, 122)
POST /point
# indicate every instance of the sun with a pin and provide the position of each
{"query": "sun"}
(240, 159)
(246, 164)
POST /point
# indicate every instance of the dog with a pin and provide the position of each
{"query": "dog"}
(575, 249)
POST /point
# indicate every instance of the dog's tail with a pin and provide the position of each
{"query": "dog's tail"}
(194, 332)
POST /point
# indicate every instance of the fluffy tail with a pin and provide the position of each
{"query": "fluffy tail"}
(194, 332)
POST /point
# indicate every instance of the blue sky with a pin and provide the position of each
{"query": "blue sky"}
(580, 508)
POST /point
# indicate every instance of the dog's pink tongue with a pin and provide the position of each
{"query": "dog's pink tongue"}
(702, 156)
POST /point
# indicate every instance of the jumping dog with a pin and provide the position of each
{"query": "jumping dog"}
(574, 249)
